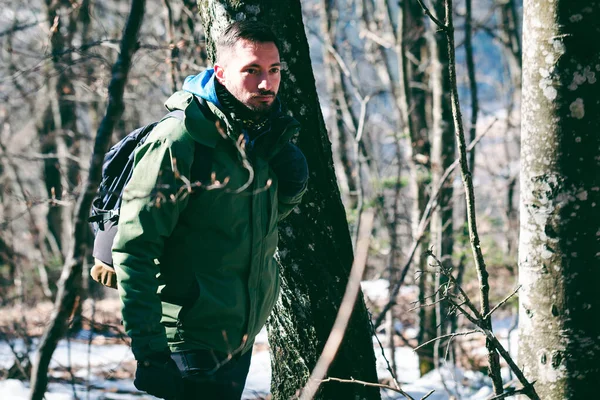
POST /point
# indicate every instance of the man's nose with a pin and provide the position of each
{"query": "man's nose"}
(265, 83)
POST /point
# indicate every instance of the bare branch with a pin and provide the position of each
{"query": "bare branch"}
(431, 205)
(450, 335)
(511, 393)
(70, 283)
(379, 385)
(502, 302)
(439, 23)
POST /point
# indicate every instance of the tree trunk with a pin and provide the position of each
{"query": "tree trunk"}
(61, 174)
(559, 248)
(511, 49)
(343, 161)
(442, 156)
(315, 247)
(69, 288)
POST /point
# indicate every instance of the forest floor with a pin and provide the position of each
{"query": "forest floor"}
(96, 363)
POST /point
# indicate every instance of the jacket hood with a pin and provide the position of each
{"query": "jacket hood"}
(203, 85)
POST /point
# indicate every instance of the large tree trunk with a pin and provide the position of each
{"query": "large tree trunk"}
(315, 247)
(559, 250)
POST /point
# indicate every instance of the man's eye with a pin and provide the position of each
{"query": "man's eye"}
(251, 71)
(275, 70)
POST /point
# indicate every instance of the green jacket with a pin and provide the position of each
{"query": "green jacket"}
(197, 271)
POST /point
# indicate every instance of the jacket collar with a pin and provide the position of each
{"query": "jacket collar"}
(203, 130)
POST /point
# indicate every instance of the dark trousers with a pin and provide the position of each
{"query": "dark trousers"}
(208, 375)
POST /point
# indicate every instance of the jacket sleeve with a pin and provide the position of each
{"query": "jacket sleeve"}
(291, 169)
(150, 209)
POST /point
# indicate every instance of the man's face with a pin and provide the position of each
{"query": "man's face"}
(251, 73)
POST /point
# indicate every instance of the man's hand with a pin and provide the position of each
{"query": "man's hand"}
(158, 375)
(291, 169)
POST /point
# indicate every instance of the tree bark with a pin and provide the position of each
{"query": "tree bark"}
(559, 248)
(442, 156)
(343, 160)
(315, 247)
(61, 174)
(69, 287)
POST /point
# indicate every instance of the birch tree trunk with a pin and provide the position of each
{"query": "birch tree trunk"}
(315, 247)
(559, 250)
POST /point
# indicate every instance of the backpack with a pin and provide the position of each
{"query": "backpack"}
(117, 168)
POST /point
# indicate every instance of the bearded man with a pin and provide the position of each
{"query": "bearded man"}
(195, 261)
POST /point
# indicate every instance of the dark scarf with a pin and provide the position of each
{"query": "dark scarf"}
(242, 114)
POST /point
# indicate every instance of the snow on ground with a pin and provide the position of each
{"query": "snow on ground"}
(469, 385)
(106, 358)
(407, 363)
(108, 361)
(378, 290)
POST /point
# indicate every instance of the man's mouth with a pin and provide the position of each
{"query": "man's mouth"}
(264, 96)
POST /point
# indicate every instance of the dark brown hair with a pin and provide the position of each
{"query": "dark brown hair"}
(251, 31)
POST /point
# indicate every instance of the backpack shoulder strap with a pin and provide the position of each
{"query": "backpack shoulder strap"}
(179, 114)
(203, 154)
(201, 123)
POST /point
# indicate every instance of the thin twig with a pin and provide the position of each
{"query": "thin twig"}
(439, 23)
(511, 393)
(451, 278)
(428, 394)
(431, 205)
(492, 343)
(482, 274)
(502, 302)
(464, 312)
(389, 367)
(379, 385)
(450, 335)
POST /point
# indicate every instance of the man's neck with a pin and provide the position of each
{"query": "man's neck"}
(236, 109)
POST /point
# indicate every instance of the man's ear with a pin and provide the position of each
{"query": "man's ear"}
(220, 73)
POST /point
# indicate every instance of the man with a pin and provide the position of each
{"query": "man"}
(196, 272)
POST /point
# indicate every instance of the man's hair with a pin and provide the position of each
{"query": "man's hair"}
(252, 31)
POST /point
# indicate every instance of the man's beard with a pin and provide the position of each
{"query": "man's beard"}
(261, 109)
(241, 109)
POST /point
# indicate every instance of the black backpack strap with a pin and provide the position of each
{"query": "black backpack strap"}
(201, 166)
(179, 114)
(203, 155)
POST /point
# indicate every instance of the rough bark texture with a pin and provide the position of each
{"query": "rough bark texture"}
(315, 248)
(559, 250)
